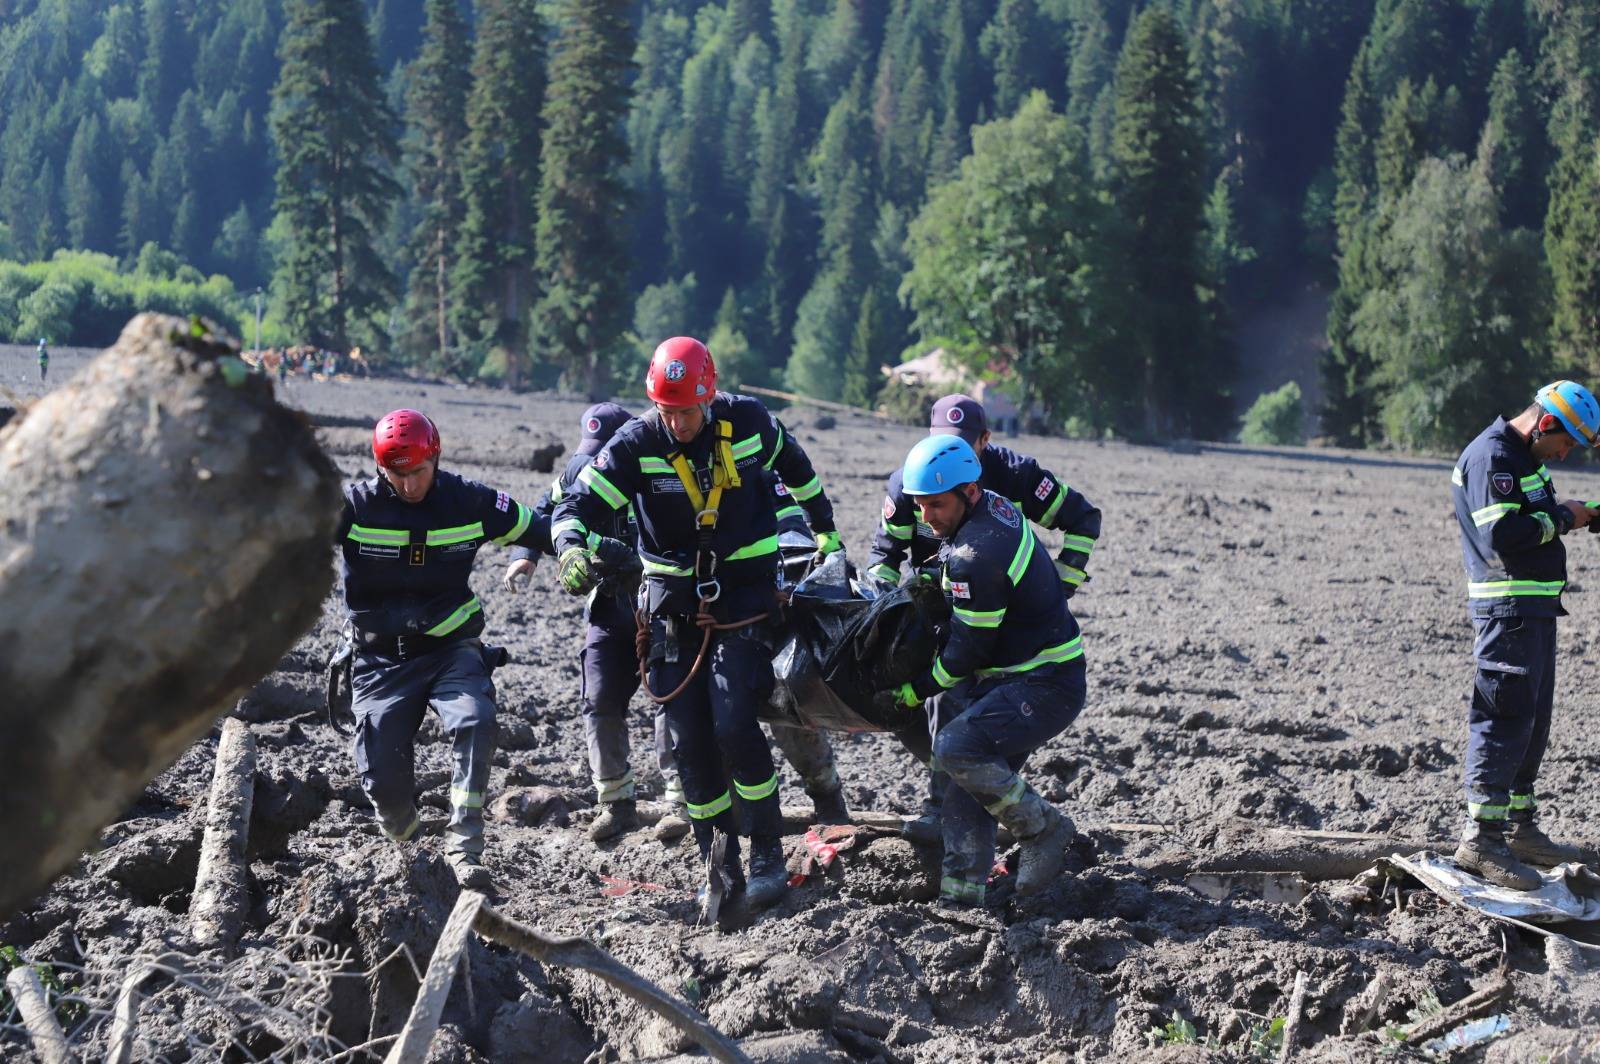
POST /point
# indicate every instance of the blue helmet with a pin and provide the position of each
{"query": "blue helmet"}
(1574, 406)
(938, 464)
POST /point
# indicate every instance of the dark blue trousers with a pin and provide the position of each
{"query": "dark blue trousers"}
(1508, 726)
(610, 677)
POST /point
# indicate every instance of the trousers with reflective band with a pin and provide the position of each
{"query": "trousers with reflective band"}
(1508, 718)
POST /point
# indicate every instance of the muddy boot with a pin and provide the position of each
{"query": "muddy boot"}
(1529, 843)
(469, 870)
(827, 807)
(1045, 833)
(673, 826)
(614, 819)
(1483, 851)
(924, 830)
(769, 878)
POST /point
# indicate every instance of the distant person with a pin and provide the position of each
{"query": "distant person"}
(44, 359)
(1511, 525)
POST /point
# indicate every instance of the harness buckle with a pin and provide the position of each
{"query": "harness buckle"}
(709, 589)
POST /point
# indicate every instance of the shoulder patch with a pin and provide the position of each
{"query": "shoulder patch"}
(502, 501)
(602, 460)
(1004, 512)
(888, 508)
(1042, 492)
(780, 488)
(960, 589)
(1503, 483)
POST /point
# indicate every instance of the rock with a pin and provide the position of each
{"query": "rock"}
(788, 992)
(449, 1046)
(533, 806)
(155, 863)
(543, 458)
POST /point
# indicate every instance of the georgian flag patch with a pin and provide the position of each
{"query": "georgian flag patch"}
(1042, 492)
(960, 589)
(502, 502)
(1503, 483)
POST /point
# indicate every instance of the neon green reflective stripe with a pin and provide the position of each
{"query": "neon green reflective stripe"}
(1019, 563)
(663, 568)
(1071, 575)
(748, 446)
(1485, 811)
(980, 618)
(571, 524)
(773, 457)
(557, 492)
(602, 487)
(440, 537)
(524, 519)
(1082, 544)
(941, 676)
(380, 537)
(790, 512)
(1055, 504)
(961, 890)
(410, 830)
(757, 549)
(619, 789)
(1011, 797)
(899, 531)
(886, 572)
(656, 465)
(465, 799)
(1491, 514)
(1515, 588)
(1457, 478)
(1072, 648)
(720, 804)
(1547, 523)
(1532, 483)
(1521, 802)
(456, 619)
(758, 791)
(809, 490)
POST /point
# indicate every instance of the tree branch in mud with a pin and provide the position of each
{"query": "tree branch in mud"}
(1452, 1016)
(48, 1040)
(221, 892)
(164, 532)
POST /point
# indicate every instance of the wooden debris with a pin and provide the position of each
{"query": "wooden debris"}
(1291, 1024)
(38, 1017)
(417, 1035)
(1450, 1017)
(221, 891)
(1368, 1005)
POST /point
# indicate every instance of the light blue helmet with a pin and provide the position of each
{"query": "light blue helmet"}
(1574, 406)
(938, 464)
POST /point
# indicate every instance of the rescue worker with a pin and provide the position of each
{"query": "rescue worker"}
(1511, 524)
(408, 538)
(1013, 636)
(44, 359)
(1043, 497)
(693, 470)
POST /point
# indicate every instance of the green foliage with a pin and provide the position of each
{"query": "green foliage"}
(1175, 1032)
(1262, 1041)
(908, 404)
(69, 1012)
(1276, 419)
(81, 298)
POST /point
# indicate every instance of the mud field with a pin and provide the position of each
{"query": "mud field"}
(1274, 640)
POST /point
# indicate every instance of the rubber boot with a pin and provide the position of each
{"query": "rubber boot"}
(1529, 843)
(769, 878)
(924, 830)
(614, 819)
(1483, 851)
(827, 806)
(1045, 833)
(469, 870)
(673, 826)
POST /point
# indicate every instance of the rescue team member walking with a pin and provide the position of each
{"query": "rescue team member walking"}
(1013, 635)
(44, 359)
(409, 536)
(1042, 496)
(693, 470)
(1511, 527)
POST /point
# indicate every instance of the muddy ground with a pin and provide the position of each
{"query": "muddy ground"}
(1274, 639)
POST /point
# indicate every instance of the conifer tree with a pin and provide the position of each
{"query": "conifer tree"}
(88, 178)
(436, 114)
(581, 260)
(493, 277)
(334, 133)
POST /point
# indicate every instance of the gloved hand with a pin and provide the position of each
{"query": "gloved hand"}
(613, 555)
(577, 573)
(1071, 576)
(518, 574)
(827, 543)
(904, 695)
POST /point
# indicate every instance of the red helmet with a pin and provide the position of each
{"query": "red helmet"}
(681, 373)
(404, 438)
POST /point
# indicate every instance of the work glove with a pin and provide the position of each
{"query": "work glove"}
(906, 696)
(882, 579)
(577, 573)
(518, 574)
(1071, 576)
(827, 543)
(613, 555)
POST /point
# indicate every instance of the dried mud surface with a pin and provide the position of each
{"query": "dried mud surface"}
(1274, 639)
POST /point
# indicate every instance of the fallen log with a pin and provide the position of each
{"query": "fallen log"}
(1291, 1024)
(164, 538)
(222, 891)
(38, 1017)
(417, 1035)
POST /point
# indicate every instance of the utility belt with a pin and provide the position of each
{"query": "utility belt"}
(404, 647)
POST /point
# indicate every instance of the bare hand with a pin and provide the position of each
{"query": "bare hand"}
(518, 575)
(1581, 514)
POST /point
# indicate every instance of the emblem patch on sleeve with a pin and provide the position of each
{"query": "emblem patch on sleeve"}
(502, 502)
(888, 508)
(780, 488)
(1004, 512)
(1503, 483)
(960, 589)
(1042, 492)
